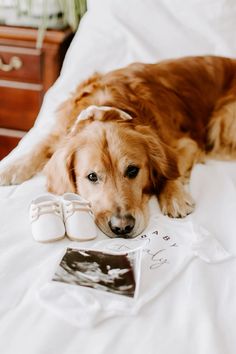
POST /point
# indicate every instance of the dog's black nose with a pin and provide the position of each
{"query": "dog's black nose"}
(122, 225)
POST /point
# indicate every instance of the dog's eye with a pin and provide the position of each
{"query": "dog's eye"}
(131, 171)
(92, 177)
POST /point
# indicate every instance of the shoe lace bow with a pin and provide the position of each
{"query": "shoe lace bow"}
(45, 208)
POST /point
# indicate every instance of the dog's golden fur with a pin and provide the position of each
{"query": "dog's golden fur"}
(182, 112)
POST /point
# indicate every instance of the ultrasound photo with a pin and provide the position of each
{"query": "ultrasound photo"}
(108, 272)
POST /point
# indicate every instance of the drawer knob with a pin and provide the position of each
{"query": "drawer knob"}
(15, 63)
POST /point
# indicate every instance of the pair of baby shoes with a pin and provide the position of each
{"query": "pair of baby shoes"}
(54, 217)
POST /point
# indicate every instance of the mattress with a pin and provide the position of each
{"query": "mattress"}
(196, 312)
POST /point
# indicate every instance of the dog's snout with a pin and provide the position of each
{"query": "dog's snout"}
(122, 225)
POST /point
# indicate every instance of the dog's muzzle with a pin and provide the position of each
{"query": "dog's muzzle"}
(122, 225)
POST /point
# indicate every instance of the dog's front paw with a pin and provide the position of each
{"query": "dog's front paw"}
(12, 174)
(175, 201)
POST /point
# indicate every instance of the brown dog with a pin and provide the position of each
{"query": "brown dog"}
(140, 131)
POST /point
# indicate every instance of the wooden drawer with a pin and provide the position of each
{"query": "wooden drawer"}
(20, 64)
(8, 142)
(22, 87)
(19, 104)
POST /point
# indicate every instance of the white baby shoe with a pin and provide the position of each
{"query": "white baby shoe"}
(46, 217)
(78, 218)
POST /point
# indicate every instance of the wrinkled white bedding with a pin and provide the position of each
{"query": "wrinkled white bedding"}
(196, 313)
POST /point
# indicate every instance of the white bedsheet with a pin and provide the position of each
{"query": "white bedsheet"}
(196, 313)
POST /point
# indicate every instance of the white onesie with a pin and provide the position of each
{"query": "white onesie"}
(161, 254)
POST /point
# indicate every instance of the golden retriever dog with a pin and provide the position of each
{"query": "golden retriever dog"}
(136, 132)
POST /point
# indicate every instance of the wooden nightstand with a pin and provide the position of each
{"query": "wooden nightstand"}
(26, 73)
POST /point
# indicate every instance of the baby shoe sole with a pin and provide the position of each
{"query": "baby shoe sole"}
(80, 239)
(51, 240)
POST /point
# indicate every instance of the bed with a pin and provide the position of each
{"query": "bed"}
(196, 312)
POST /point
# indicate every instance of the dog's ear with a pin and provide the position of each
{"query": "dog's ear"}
(162, 158)
(60, 172)
(163, 162)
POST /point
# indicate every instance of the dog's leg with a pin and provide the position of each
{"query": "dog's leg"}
(20, 169)
(222, 132)
(174, 199)
(189, 154)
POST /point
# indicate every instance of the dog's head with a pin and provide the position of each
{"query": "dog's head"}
(113, 164)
